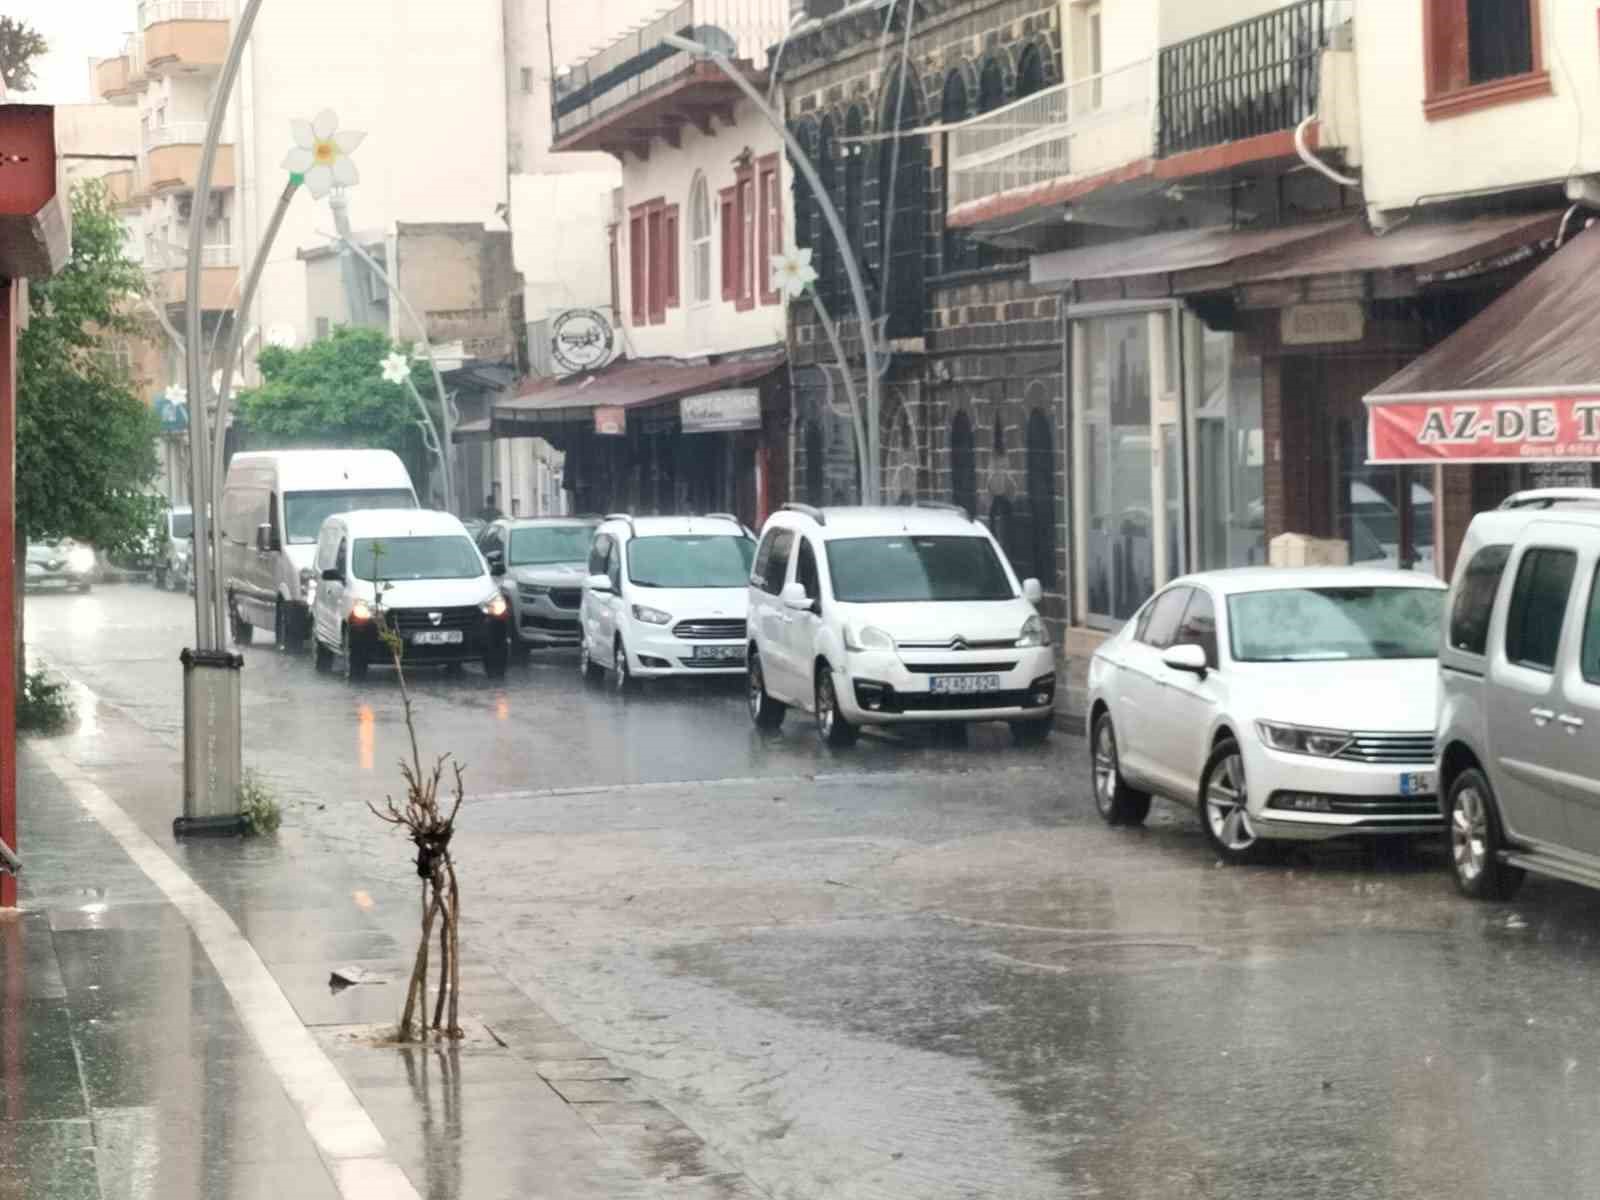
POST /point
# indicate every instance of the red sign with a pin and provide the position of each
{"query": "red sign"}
(1542, 427)
(611, 422)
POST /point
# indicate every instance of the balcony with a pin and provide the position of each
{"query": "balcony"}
(219, 279)
(112, 82)
(183, 36)
(639, 88)
(172, 158)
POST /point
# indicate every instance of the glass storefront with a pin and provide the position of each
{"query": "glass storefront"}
(1116, 550)
(1384, 513)
(1230, 454)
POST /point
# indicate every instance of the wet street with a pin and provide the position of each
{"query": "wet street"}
(927, 970)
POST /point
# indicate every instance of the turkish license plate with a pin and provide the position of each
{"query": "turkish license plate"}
(958, 684)
(437, 637)
(718, 653)
(1418, 783)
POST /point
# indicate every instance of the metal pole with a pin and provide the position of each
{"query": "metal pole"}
(225, 387)
(858, 287)
(199, 464)
(447, 447)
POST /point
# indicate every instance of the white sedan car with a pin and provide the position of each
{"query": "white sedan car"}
(1287, 704)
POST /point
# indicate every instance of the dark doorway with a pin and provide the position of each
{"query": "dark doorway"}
(963, 464)
(1042, 499)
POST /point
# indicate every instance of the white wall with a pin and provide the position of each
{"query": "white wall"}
(559, 238)
(715, 327)
(1407, 156)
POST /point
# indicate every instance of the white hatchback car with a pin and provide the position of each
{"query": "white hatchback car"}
(1289, 704)
(882, 616)
(665, 596)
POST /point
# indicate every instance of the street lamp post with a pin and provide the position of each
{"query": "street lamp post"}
(858, 287)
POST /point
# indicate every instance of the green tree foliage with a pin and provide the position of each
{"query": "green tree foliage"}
(85, 441)
(20, 44)
(332, 393)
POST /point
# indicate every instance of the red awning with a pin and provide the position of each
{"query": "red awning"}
(1520, 382)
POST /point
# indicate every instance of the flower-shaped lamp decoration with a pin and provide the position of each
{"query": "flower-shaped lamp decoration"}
(396, 369)
(792, 272)
(321, 155)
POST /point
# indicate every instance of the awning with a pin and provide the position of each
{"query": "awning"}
(540, 405)
(1520, 382)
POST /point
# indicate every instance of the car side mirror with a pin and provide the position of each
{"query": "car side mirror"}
(1032, 591)
(497, 567)
(332, 575)
(599, 583)
(264, 539)
(794, 597)
(1187, 657)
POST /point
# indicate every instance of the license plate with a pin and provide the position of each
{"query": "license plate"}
(964, 683)
(437, 637)
(718, 653)
(1418, 783)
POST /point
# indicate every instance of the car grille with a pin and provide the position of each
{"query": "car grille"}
(959, 668)
(414, 620)
(958, 701)
(710, 629)
(1365, 806)
(1412, 748)
(949, 644)
(566, 597)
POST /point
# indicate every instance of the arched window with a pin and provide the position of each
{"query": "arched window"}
(1042, 498)
(699, 240)
(852, 152)
(903, 205)
(805, 204)
(991, 87)
(953, 108)
(1030, 73)
(999, 441)
(812, 441)
(963, 464)
(827, 253)
(900, 469)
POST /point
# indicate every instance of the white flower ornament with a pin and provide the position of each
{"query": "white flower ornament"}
(395, 368)
(321, 154)
(792, 272)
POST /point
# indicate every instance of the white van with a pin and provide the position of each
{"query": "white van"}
(273, 507)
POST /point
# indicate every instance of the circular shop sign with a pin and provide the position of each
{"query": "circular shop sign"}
(580, 339)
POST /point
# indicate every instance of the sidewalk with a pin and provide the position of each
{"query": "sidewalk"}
(147, 1050)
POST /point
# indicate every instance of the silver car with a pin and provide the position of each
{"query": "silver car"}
(545, 560)
(64, 564)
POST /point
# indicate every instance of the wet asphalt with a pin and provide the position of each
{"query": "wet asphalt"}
(922, 970)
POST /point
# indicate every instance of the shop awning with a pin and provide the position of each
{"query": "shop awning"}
(543, 405)
(1520, 382)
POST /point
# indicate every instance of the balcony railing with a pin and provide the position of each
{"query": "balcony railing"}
(1250, 78)
(153, 12)
(1073, 129)
(178, 133)
(640, 60)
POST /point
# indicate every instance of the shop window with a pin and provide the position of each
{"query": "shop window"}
(1384, 513)
(1116, 546)
(1042, 498)
(699, 241)
(1469, 619)
(963, 464)
(1539, 607)
(1480, 53)
(1230, 460)
(771, 226)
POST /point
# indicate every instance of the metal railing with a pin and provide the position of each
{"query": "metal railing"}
(1250, 78)
(1077, 128)
(639, 60)
(153, 12)
(178, 133)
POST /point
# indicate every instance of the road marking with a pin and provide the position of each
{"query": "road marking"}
(343, 1131)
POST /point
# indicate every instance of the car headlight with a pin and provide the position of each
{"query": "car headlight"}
(868, 637)
(80, 559)
(533, 589)
(651, 616)
(495, 605)
(1297, 739)
(361, 611)
(1033, 632)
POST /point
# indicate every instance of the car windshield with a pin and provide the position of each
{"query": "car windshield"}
(1335, 623)
(447, 556)
(886, 570)
(690, 561)
(540, 544)
(304, 512)
(182, 525)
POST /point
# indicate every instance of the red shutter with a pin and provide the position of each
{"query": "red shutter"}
(771, 227)
(673, 253)
(730, 243)
(638, 267)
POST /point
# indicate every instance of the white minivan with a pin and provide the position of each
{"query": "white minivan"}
(273, 507)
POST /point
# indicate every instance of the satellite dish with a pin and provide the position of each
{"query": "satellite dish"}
(282, 336)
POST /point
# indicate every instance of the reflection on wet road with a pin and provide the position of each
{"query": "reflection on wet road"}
(928, 971)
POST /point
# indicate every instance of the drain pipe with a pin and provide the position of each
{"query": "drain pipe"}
(1315, 163)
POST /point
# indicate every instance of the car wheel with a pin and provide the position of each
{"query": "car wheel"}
(619, 662)
(243, 631)
(832, 727)
(1224, 811)
(324, 656)
(587, 667)
(355, 660)
(1030, 733)
(766, 712)
(1117, 803)
(1476, 841)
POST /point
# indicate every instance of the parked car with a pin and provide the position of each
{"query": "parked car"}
(665, 596)
(546, 560)
(438, 593)
(273, 506)
(176, 544)
(64, 564)
(1286, 704)
(883, 616)
(1519, 681)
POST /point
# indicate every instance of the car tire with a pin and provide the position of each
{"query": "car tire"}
(619, 664)
(324, 656)
(1224, 812)
(287, 633)
(1476, 840)
(832, 727)
(591, 671)
(766, 712)
(355, 661)
(1114, 800)
(243, 631)
(1031, 733)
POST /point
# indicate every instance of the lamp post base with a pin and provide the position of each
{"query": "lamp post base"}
(211, 744)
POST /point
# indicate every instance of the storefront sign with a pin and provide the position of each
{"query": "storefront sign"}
(718, 412)
(611, 422)
(1538, 428)
(1320, 324)
(580, 340)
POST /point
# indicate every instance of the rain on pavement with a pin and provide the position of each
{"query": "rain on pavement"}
(922, 969)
